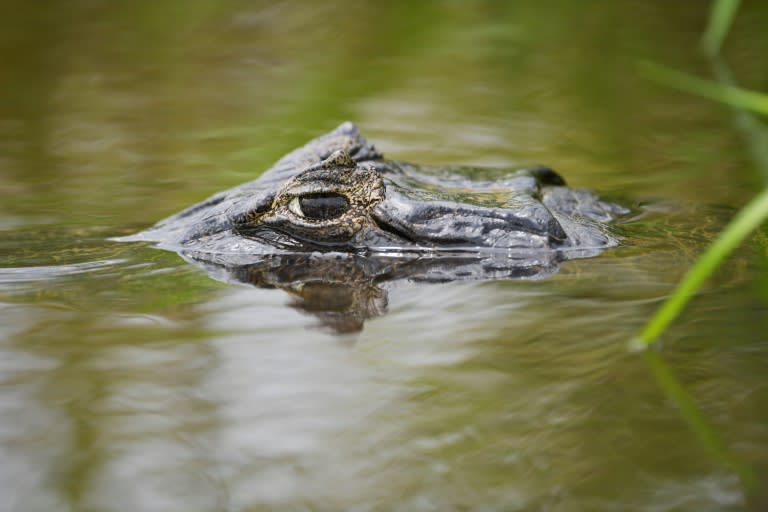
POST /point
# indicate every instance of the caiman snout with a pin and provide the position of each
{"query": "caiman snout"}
(452, 224)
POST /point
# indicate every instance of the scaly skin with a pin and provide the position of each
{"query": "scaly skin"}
(338, 175)
(337, 193)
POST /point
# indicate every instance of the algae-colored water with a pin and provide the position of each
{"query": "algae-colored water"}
(132, 381)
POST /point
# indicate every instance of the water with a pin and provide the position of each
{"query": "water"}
(131, 380)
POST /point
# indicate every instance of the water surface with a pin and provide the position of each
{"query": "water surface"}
(131, 380)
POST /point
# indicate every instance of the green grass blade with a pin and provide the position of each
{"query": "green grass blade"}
(728, 94)
(748, 219)
(754, 133)
(721, 16)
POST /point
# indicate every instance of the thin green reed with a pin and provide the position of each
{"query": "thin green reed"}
(736, 97)
(720, 19)
(749, 218)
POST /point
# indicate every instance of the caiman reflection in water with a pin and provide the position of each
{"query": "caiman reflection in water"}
(344, 290)
(332, 221)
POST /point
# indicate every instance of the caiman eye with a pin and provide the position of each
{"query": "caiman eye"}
(319, 206)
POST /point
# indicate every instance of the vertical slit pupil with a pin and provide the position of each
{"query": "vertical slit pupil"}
(323, 206)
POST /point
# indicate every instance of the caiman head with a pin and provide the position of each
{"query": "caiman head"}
(338, 194)
(333, 221)
(341, 204)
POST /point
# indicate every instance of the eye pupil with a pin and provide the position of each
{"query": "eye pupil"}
(323, 206)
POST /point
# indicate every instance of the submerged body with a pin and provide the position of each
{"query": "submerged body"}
(338, 194)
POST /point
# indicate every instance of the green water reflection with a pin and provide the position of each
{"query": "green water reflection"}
(131, 380)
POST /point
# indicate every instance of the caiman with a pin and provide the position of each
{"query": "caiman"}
(335, 215)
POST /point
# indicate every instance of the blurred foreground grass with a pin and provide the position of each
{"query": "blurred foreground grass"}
(752, 215)
(746, 221)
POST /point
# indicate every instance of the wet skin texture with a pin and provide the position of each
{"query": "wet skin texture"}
(333, 223)
(337, 193)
